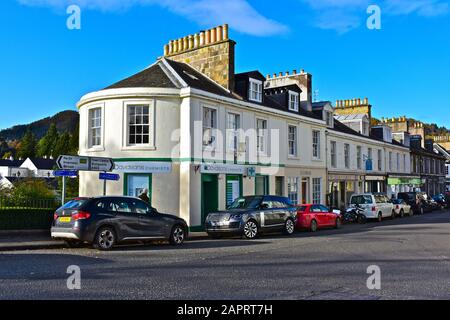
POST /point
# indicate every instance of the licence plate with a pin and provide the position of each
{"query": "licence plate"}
(65, 219)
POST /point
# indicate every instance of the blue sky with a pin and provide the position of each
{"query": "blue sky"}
(403, 68)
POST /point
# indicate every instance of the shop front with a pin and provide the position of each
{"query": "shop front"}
(341, 187)
(375, 184)
(398, 184)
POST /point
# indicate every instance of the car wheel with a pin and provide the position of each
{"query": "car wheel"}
(402, 213)
(338, 223)
(380, 217)
(250, 229)
(73, 243)
(105, 239)
(289, 227)
(177, 236)
(362, 219)
(313, 227)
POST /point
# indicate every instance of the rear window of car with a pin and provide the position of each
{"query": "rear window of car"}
(363, 199)
(74, 204)
(302, 208)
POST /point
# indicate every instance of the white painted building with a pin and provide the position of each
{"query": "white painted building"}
(196, 145)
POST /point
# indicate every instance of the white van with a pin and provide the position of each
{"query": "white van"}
(376, 205)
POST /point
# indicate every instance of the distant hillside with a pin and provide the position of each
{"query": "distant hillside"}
(65, 121)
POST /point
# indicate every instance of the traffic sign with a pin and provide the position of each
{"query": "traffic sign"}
(85, 163)
(109, 176)
(101, 164)
(73, 163)
(65, 173)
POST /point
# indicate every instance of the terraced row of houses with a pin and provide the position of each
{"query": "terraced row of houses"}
(197, 135)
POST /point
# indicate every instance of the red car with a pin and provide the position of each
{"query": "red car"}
(316, 216)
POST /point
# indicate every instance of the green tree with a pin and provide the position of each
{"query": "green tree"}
(28, 146)
(62, 145)
(74, 138)
(48, 143)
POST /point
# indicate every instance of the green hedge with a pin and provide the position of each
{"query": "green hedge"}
(25, 219)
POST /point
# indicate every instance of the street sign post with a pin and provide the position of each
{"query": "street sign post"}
(65, 173)
(108, 177)
(73, 164)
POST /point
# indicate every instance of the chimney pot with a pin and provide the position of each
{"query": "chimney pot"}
(219, 31)
(207, 37)
(287, 73)
(268, 77)
(294, 72)
(281, 74)
(166, 50)
(225, 32)
(274, 75)
(213, 35)
(185, 43)
(202, 38)
(196, 40)
(191, 42)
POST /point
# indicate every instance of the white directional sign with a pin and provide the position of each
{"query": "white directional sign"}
(85, 163)
(101, 164)
(73, 163)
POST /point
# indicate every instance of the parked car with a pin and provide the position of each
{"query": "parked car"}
(315, 216)
(417, 200)
(253, 215)
(375, 205)
(107, 221)
(441, 200)
(401, 208)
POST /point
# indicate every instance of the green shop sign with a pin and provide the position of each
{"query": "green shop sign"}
(400, 181)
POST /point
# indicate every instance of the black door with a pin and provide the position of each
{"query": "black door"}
(151, 222)
(127, 220)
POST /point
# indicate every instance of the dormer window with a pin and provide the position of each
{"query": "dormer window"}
(255, 90)
(329, 118)
(293, 101)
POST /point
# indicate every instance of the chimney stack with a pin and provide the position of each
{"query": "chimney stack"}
(210, 52)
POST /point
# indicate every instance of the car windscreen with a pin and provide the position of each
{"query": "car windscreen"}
(246, 203)
(74, 204)
(363, 199)
(397, 201)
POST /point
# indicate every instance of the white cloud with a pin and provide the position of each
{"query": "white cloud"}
(345, 15)
(238, 13)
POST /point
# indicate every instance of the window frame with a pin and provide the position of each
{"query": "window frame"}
(316, 145)
(295, 141)
(333, 155)
(258, 94)
(347, 155)
(293, 104)
(264, 136)
(91, 147)
(213, 144)
(233, 133)
(151, 125)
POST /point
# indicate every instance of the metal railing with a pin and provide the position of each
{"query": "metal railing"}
(12, 203)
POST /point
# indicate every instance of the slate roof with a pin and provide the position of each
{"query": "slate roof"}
(44, 164)
(11, 163)
(340, 127)
(156, 77)
(152, 77)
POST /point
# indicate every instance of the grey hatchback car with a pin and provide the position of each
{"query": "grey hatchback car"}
(252, 215)
(107, 221)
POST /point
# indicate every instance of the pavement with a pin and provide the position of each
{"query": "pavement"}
(412, 255)
(11, 240)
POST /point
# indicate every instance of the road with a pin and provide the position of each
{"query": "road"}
(412, 253)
